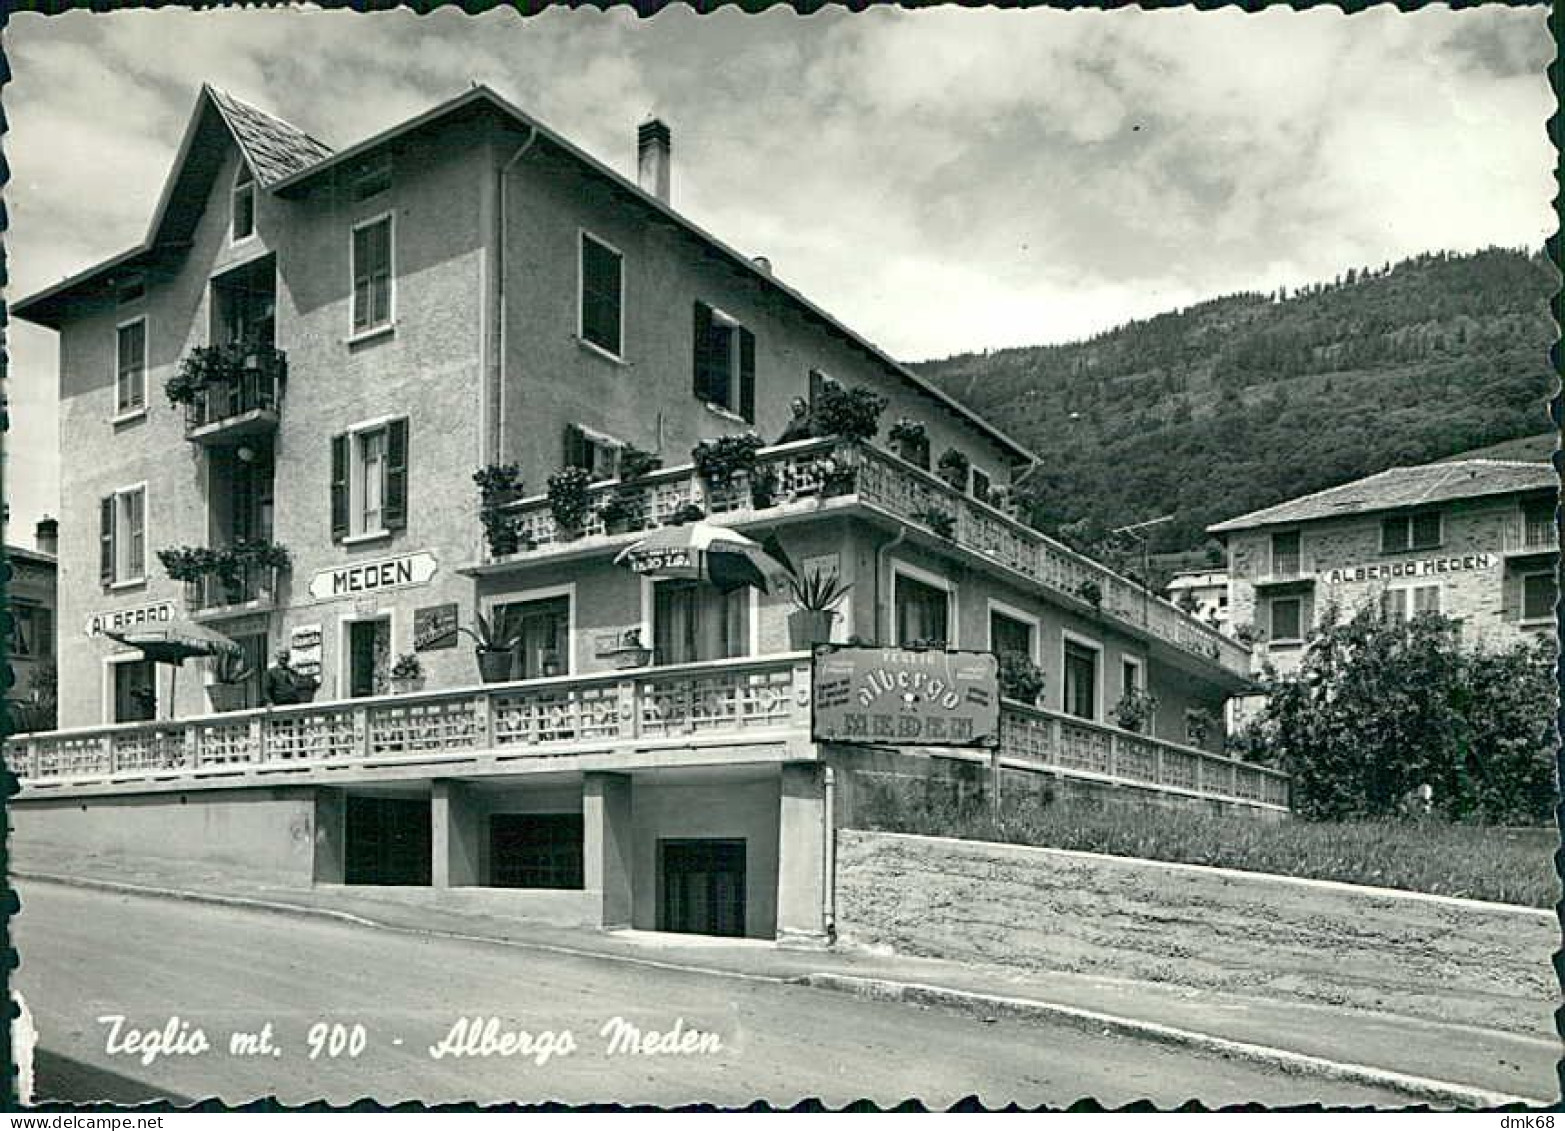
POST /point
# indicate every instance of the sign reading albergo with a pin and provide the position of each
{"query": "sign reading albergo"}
(904, 697)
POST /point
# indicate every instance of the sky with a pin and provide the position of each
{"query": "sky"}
(942, 180)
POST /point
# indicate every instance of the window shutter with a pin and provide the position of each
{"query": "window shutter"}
(747, 375)
(817, 386)
(577, 454)
(396, 507)
(339, 487)
(702, 347)
(106, 540)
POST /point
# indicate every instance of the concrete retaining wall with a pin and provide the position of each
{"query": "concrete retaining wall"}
(1208, 928)
(263, 834)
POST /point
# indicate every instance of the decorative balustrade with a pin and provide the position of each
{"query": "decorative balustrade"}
(250, 581)
(248, 399)
(814, 469)
(555, 718)
(1040, 739)
(1532, 535)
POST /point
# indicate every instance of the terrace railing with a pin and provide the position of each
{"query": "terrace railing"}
(252, 583)
(1040, 739)
(247, 402)
(814, 469)
(738, 700)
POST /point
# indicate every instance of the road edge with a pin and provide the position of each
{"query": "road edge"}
(885, 989)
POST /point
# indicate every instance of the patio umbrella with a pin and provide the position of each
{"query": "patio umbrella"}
(174, 642)
(703, 551)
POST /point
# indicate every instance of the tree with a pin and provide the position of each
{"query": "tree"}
(1380, 707)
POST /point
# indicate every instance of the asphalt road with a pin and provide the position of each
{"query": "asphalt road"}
(88, 954)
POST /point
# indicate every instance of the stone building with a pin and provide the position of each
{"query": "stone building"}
(31, 599)
(1473, 539)
(288, 388)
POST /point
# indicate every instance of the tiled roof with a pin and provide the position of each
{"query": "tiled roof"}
(1404, 487)
(275, 149)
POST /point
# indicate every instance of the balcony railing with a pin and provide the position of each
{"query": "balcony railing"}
(246, 402)
(1039, 739)
(254, 584)
(716, 703)
(737, 700)
(884, 481)
(1532, 535)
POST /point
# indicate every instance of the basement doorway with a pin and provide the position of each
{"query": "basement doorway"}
(702, 887)
(387, 841)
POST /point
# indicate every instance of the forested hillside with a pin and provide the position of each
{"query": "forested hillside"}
(1250, 399)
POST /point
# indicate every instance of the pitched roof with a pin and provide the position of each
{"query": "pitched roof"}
(274, 148)
(1402, 487)
(282, 143)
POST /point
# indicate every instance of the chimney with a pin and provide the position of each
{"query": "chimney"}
(46, 535)
(763, 263)
(654, 158)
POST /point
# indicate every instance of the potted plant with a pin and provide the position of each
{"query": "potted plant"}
(690, 512)
(630, 652)
(635, 463)
(1091, 592)
(1134, 710)
(494, 648)
(815, 598)
(499, 484)
(718, 461)
(835, 475)
(230, 670)
(853, 414)
(954, 467)
(910, 441)
(568, 500)
(1020, 678)
(1198, 725)
(185, 563)
(943, 524)
(407, 674)
(619, 514)
(763, 487)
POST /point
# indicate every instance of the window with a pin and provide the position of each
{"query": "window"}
(923, 613)
(692, 622)
(543, 628)
(981, 485)
(1081, 679)
(32, 630)
(122, 536)
(372, 274)
(244, 204)
(1287, 619)
(536, 850)
(1411, 601)
(1538, 526)
(1285, 554)
(593, 451)
(1419, 530)
(130, 382)
(1009, 634)
(602, 295)
(724, 362)
(1130, 676)
(369, 480)
(1538, 596)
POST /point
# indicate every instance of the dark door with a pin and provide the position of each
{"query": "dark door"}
(535, 850)
(135, 691)
(703, 887)
(387, 841)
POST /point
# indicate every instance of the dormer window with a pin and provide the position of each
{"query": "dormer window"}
(244, 204)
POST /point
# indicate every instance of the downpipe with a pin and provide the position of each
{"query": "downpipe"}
(829, 888)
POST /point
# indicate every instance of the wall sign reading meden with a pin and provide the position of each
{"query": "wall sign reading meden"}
(903, 697)
(122, 620)
(1423, 567)
(370, 577)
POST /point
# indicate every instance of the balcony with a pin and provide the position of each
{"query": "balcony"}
(239, 395)
(1531, 536)
(233, 579)
(812, 475)
(723, 711)
(1283, 570)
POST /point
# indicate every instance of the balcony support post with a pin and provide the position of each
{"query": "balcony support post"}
(607, 848)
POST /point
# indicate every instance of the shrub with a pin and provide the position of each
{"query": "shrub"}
(568, 501)
(1020, 678)
(718, 461)
(853, 414)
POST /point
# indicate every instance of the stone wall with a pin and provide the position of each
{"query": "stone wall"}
(1207, 928)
